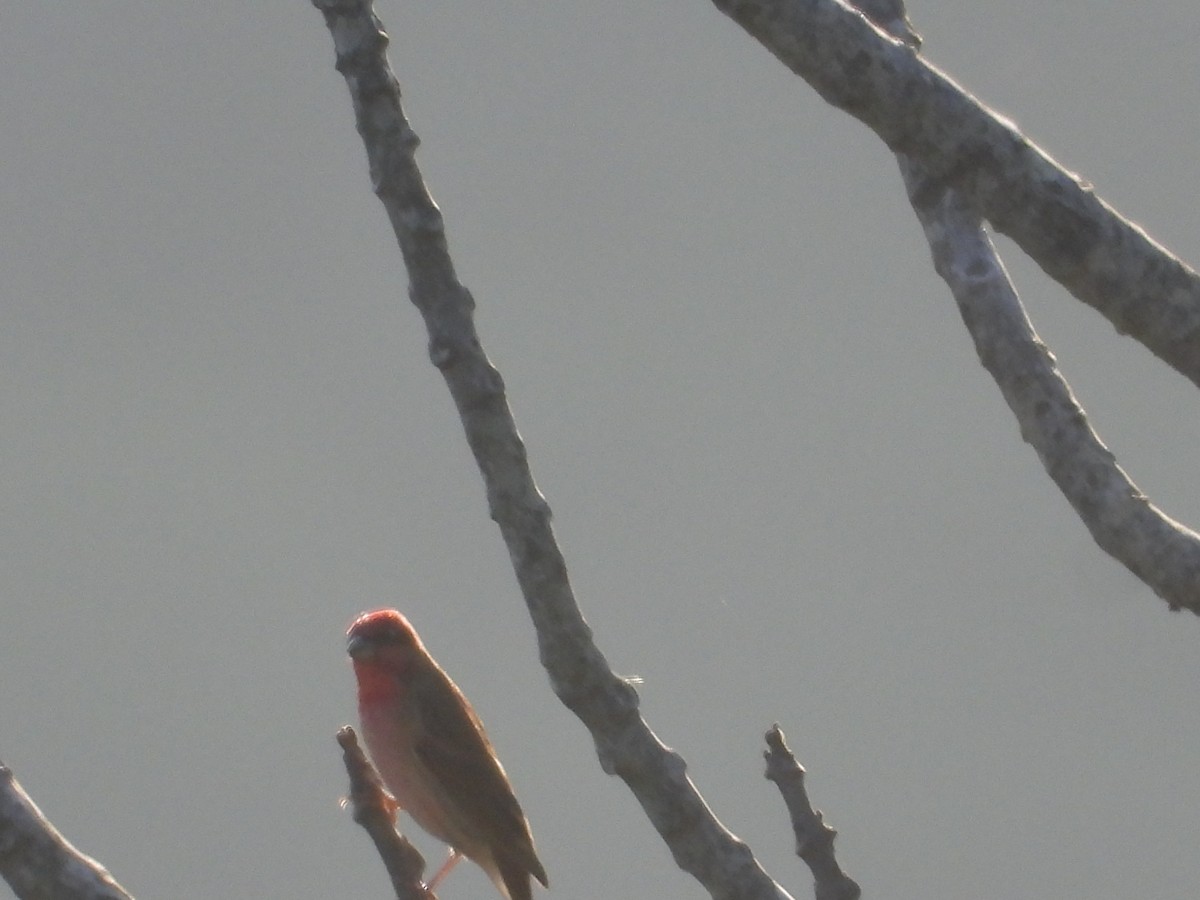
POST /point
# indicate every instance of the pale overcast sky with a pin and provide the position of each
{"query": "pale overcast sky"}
(786, 488)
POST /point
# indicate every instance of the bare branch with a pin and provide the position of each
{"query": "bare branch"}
(39, 863)
(1158, 550)
(961, 162)
(1077, 239)
(891, 17)
(579, 673)
(814, 839)
(375, 810)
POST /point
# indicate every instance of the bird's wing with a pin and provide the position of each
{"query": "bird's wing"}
(457, 752)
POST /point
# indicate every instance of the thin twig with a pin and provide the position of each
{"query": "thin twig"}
(814, 838)
(375, 810)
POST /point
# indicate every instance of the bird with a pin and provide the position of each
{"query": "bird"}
(434, 756)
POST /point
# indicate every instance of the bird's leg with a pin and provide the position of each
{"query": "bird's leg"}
(450, 863)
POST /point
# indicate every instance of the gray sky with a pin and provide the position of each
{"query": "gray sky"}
(786, 489)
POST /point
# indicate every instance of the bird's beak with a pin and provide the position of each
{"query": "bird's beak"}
(359, 647)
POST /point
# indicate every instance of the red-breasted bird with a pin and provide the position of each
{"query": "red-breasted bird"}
(434, 756)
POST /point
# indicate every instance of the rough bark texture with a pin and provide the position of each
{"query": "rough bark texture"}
(39, 863)
(962, 164)
(1157, 549)
(917, 110)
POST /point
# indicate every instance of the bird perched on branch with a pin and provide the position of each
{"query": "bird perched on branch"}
(434, 756)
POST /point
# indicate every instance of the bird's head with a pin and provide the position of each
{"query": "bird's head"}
(383, 637)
